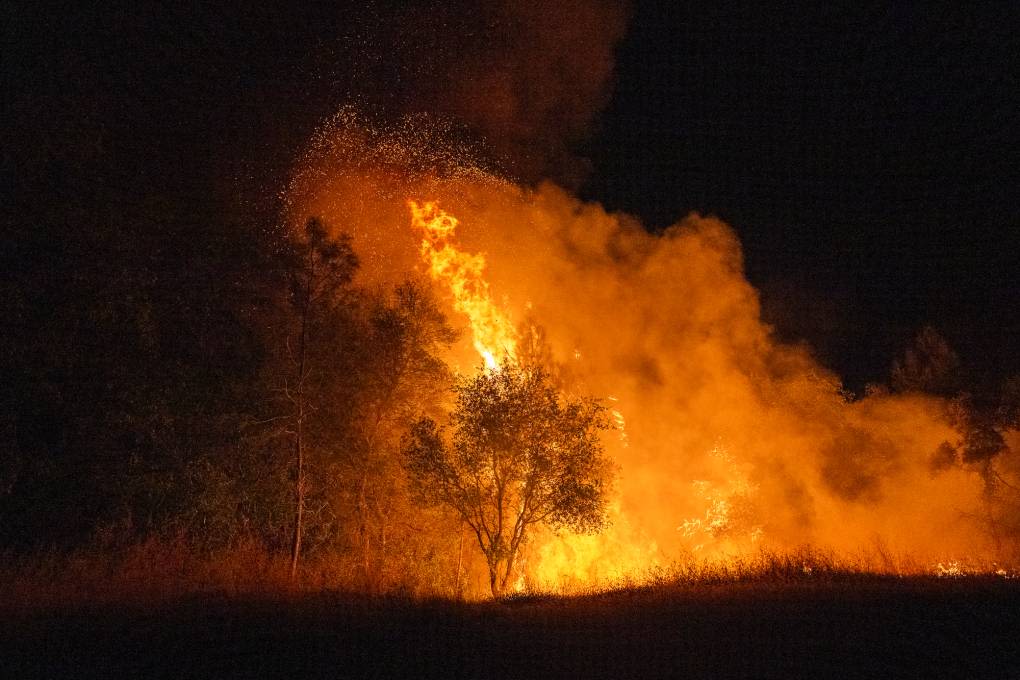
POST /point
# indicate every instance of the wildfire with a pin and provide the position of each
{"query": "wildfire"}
(492, 332)
(557, 559)
(730, 516)
(619, 421)
(728, 441)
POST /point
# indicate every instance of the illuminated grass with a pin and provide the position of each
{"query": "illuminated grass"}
(158, 572)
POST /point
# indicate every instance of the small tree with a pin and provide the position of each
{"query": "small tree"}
(929, 364)
(519, 455)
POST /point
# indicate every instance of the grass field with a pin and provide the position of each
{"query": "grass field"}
(841, 626)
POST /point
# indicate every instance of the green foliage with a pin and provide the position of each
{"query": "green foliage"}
(519, 455)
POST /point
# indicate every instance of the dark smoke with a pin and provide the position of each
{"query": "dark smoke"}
(526, 78)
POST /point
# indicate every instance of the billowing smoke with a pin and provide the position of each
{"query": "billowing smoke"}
(731, 440)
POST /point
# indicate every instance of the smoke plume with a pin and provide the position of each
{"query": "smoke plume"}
(525, 78)
(731, 440)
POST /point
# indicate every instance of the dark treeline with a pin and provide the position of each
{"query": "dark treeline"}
(153, 313)
(179, 367)
(145, 300)
(165, 367)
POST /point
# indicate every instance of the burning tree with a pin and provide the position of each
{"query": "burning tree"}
(519, 455)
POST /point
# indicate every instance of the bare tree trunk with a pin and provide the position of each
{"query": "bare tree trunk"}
(366, 560)
(500, 577)
(989, 499)
(506, 574)
(299, 451)
(460, 562)
(299, 500)
(299, 486)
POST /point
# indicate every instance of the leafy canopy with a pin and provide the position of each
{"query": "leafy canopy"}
(518, 455)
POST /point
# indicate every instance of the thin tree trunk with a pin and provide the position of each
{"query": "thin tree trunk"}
(988, 498)
(366, 560)
(299, 499)
(506, 574)
(494, 581)
(299, 486)
(460, 561)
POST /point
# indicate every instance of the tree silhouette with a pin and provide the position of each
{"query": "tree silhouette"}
(929, 364)
(519, 455)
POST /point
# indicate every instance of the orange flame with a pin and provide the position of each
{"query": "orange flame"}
(565, 559)
(697, 372)
(492, 332)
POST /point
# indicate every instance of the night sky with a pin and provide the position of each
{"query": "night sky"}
(867, 155)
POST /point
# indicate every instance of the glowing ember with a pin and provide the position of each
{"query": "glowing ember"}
(493, 333)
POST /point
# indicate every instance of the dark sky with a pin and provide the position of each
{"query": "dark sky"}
(867, 154)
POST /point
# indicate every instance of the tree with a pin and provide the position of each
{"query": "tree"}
(983, 421)
(519, 455)
(928, 365)
(354, 367)
(322, 268)
(400, 374)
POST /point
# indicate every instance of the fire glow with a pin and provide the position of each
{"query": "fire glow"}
(735, 442)
(492, 332)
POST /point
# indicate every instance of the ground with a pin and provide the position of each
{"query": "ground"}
(875, 627)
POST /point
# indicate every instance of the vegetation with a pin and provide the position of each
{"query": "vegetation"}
(518, 456)
(321, 271)
(982, 414)
(214, 385)
(224, 387)
(180, 379)
(158, 393)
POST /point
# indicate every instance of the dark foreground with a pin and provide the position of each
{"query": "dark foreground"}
(881, 628)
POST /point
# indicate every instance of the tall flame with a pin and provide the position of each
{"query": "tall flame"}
(557, 559)
(492, 332)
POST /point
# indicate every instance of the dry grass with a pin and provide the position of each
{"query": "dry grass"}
(765, 568)
(159, 571)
